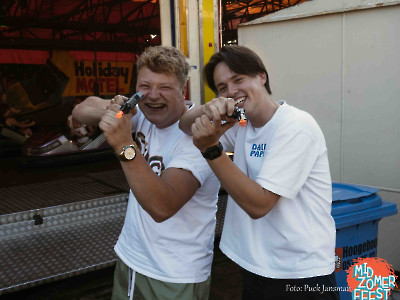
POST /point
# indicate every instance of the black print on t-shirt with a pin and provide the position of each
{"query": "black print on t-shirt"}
(155, 162)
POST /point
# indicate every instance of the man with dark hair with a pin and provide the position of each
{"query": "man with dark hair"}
(278, 224)
(166, 244)
(249, 64)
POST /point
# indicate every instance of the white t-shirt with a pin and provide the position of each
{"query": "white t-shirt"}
(287, 156)
(179, 249)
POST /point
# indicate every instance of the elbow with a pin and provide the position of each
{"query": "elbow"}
(185, 128)
(76, 111)
(160, 217)
(256, 216)
(159, 209)
(258, 213)
(80, 111)
(264, 206)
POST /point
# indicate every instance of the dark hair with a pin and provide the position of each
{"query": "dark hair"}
(240, 60)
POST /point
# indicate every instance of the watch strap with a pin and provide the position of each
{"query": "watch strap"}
(213, 152)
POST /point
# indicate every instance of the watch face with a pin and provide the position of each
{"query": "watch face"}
(213, 152)
(130, 153)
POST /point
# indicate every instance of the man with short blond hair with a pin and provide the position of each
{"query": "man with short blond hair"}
(166, 244)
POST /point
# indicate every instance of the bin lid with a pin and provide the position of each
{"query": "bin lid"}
(348, 198)
(386, 209)
(347, 191)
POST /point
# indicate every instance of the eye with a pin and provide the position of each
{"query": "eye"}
(238, 80)
(222, 89)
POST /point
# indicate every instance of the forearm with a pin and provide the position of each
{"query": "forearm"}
(158, 195)
(91, 110)
(188, 118)
(248, 194)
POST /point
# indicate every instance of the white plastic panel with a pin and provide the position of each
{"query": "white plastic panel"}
(303, 58)
(371, 135)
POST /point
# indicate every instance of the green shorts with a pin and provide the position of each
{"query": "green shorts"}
(151, 289)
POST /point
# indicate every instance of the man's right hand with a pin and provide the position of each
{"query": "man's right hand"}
(208, 128)
(118, 131)
(219, 108)
(120, 100)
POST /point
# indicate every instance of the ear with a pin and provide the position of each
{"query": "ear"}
(263, 78)
(184, 89)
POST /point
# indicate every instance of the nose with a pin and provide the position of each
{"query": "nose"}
(153, 93)
(232, 90)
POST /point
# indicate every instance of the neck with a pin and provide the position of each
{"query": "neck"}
(180, 111)
(266, 111)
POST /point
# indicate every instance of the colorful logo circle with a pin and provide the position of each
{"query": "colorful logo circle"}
(370, 278)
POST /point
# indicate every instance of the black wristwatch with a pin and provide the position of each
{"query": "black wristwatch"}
(213, 152)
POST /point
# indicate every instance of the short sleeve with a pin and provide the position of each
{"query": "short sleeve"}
(186, 156)
(288, 163)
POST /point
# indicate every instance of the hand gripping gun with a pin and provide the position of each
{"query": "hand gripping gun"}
(238, 114)
(128, 105)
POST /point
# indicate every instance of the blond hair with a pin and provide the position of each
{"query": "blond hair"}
(162, 59)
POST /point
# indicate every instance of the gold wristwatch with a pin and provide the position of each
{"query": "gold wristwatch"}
(127, 153)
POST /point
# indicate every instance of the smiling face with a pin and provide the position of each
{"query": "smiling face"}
(247, 91)
(164, 97)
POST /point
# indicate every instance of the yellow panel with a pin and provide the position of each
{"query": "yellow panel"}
(183, 27)
(208, 40)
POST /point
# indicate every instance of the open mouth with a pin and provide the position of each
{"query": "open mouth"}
(239, 100)
(155, 105)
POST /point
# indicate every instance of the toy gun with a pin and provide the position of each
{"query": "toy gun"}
(125, 108)
(128, 105)
(238, 114)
